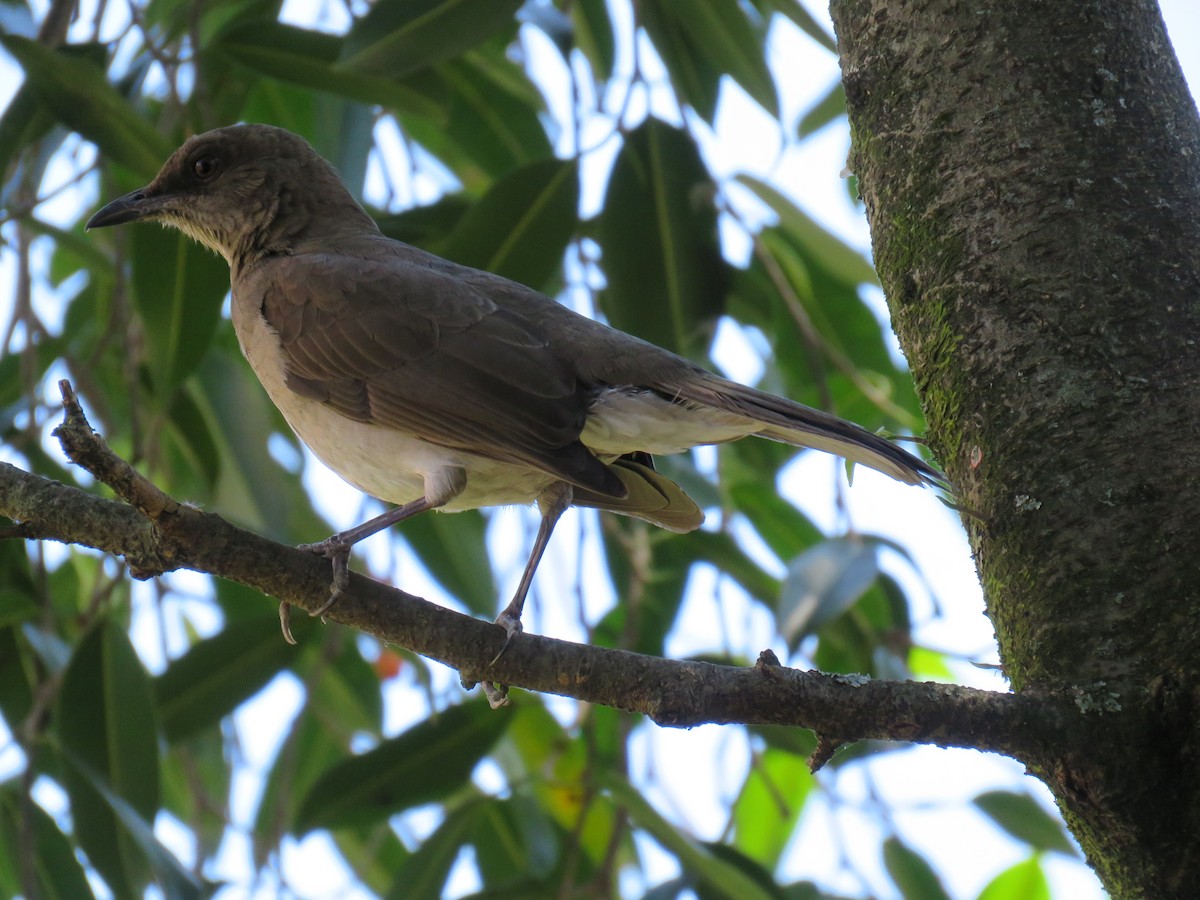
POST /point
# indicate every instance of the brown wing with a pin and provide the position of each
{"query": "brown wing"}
(616, 358)
(415, 349)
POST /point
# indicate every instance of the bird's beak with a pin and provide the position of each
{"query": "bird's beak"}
(133, 207)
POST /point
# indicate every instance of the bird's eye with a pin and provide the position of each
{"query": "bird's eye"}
(206, 167)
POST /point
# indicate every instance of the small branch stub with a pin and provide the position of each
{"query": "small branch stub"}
(84, 447)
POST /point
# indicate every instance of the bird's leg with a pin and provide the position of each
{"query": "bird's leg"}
(441, 486)
(336, 548)
(552, 502)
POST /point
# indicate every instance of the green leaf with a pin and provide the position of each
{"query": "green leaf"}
(785, 528)
(835, 255)
(18, 670)
(398, 37)
(423, 875)
(515, 838)
(803, 18)
(538, 746)
(521, 227)
(693, 75)
(426, 763)
(204, 24)
(732, 43)
(192, 775)
(861, 640)
(216, 674)
(106, 727)
(911, 872)
(454, 550)
(716, 873)
(191, 453)
(796, 741)
(832, 304)
(666, 277)
(657, 583)
(57, 873)
(252, 489)
(77, 91)
(746, 470)
(424, 226)
(594, 35)
(769, 805)
(50, 649)
(822, 583)
(806, 890)
(849, 356)
(175, 881)
(346, 137)
(828, 109)
(18, 596)
(1024, 818)
(1024, 881)
(374, 854)
(24, 122)
(744, 864)
(310, 750)
(722, 551)
(308, 58)
(344, 691)
(491, 123)
(82, 251)
(178, 287)
(930, 665)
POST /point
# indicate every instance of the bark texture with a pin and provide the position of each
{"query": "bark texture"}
(1032, 177)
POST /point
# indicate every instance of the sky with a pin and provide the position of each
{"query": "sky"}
(926, 785)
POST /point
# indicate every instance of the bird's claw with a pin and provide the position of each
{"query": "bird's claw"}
(497, 694)
(285, 625)
(338, 553)
(512, 626)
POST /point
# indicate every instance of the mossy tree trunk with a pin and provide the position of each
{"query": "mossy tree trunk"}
(1032, 178)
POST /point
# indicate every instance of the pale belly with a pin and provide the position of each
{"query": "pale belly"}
(384, 463)
(394, 467)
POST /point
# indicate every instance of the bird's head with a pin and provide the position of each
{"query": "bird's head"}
(243, 191)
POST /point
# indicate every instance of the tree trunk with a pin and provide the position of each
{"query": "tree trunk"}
(1032, 177)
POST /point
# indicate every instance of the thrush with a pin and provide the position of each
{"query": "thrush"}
(435, 386)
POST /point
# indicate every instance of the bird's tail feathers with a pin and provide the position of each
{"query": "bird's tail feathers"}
(650, 496)
(801, 426)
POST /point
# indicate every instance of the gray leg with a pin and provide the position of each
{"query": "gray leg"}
(441, 487)
(552, 502)
(337, 547)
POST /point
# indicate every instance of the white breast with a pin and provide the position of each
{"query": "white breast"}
(382, 462)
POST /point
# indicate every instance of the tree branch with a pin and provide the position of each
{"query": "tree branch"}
(162, 534)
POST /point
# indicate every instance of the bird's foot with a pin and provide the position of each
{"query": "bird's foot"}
(336, 551)
(510, 621)
(497, 694)
(512, 626)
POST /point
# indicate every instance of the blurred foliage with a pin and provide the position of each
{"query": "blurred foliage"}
(144, 340)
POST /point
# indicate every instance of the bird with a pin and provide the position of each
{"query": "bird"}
(434, 386)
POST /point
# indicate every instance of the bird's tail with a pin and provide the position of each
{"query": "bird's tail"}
(650, 496)
(802, 426)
